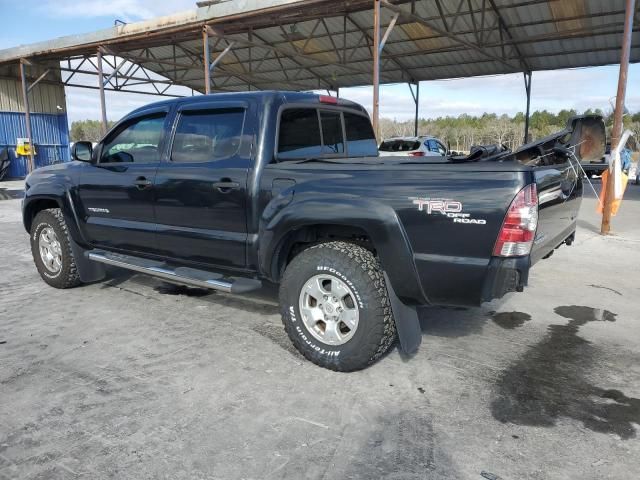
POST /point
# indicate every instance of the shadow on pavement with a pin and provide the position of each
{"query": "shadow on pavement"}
(551, 380)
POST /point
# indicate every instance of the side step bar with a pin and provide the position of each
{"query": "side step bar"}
(182, 275)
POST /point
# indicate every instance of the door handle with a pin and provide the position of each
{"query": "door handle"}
(226, 185)
(141, 183)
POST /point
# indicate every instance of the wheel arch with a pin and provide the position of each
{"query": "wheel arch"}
(35, 205)
(359, 220)
(296, 240)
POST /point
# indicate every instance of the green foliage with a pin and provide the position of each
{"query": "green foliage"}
(87, 130)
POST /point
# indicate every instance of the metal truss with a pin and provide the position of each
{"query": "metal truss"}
(119, 74)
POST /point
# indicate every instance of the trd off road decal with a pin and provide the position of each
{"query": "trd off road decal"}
(445, 206)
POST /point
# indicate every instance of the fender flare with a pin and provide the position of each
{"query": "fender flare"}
(379, 221)
(87, 270)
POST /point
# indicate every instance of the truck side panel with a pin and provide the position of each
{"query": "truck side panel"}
(559, 198)
(450, 216)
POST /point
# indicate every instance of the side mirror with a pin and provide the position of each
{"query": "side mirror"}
(82, 151)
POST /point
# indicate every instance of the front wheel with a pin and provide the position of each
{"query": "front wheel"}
(51, 249)
(335, 306)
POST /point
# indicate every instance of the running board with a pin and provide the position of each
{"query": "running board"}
(183, 275)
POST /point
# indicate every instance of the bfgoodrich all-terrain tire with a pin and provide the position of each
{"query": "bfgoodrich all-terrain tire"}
(335, 306)
(51, 249)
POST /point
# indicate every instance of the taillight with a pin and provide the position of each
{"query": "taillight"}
(417, 154)
(519, 227)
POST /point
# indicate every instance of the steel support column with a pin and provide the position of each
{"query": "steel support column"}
(207, 62)
(416, 100)
(616, 133)
(27, 115)
(206, 57)
(376, 68)
(103, 104)
(527, 87)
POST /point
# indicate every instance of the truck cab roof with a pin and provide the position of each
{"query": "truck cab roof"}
(259, 96)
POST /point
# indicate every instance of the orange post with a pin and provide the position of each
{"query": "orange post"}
(616, 133)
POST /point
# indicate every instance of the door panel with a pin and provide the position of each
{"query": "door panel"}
(118, 213)
(117, 193)
(201, 191)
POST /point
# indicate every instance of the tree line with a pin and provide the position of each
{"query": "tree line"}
(460, 132)
(87, 130)
(463, 131)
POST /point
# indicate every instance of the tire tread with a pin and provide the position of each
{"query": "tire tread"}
(70, 277)
(379, 341)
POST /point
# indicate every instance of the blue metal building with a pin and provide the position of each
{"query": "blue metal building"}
(49, 123)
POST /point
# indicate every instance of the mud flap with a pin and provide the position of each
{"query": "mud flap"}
(407, 323)
(87, 270)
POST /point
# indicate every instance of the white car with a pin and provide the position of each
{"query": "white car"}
(423, 146)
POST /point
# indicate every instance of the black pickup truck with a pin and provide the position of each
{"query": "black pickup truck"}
(227, 191)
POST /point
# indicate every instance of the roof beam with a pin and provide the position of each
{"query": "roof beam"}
(503, 25)
(408, 71)
(388, 31)
(370, 41)
(415, 18)
(284, 52)
(442, 17)
(38, 80)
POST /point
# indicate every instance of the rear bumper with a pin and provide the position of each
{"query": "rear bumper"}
(467, 281)
(505, 275)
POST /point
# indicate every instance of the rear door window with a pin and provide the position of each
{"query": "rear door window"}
(361, 141)
(209, 135)
(299, 135)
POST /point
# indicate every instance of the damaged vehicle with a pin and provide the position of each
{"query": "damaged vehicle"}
(228, 191)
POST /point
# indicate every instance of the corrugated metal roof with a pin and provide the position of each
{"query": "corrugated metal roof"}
(312, 44)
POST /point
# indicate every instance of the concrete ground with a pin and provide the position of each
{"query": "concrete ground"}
(132, 378)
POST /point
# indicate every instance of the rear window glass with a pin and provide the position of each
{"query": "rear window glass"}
(302, 135)
(333, 139)
(203, 136)
(299, 134)
(361, 142)
(399, 145)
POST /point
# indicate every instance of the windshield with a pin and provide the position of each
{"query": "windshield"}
(399, 145)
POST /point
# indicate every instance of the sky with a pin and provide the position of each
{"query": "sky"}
(39, 20)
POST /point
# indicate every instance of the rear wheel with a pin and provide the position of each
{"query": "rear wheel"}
(51, 249)
(335, 306)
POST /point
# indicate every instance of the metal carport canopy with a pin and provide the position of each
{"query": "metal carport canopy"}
(324, 44)
(318, 44)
